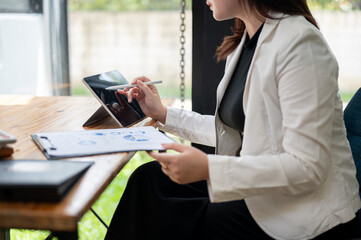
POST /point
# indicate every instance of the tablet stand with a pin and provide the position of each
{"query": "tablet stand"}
(99, 114)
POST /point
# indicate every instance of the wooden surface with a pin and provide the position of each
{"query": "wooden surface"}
(22, 116)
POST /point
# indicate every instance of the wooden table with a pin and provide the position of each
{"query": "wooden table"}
(22, 116)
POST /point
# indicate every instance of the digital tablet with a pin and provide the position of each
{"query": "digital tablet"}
(113, 103)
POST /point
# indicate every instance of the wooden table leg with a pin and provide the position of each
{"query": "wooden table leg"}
(4, 234)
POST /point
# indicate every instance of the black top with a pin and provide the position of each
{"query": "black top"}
(231, 108)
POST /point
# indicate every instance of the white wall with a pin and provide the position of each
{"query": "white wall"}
(342, 30)
(135, 43)
(147, 43)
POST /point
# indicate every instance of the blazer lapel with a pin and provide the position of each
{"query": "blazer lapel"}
(230, 66)
(268, 27)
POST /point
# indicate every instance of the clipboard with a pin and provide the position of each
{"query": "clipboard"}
(38, 141)
(57, 145)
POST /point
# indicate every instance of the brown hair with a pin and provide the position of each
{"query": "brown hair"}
(291, 7)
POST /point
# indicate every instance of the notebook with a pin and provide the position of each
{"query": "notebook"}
(38, 180)
(112, 103)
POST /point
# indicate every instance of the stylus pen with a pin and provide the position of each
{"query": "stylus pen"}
(131, 85)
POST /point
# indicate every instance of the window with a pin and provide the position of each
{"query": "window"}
(33, 47)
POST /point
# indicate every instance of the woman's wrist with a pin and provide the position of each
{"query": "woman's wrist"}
(163, 115)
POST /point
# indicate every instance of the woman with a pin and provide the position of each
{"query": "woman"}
(283, 167)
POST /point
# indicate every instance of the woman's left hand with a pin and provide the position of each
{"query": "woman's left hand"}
(189, 165)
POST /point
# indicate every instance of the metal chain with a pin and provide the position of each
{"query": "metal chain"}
(182, 40)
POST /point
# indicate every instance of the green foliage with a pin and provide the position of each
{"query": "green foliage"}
(346, 96)
(24, 234)
(126, 5)
(323, 4)
(344, 5)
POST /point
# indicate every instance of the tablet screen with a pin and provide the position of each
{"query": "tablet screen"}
(116, 104)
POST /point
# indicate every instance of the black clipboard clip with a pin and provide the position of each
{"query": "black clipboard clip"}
(38, 141)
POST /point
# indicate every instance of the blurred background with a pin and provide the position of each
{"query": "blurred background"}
(48, 46)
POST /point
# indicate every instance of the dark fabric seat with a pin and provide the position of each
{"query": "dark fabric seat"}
(352, 118)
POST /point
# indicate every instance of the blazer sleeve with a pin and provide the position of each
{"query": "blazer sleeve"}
(306, 79)
(190, 125)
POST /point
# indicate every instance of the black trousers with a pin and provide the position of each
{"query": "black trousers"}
(154, 207)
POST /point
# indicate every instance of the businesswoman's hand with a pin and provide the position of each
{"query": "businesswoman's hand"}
(189, 165)
(147, 97)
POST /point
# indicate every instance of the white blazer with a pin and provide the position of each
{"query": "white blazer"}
(295, 169)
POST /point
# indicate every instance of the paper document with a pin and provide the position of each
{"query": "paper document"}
(92, 142)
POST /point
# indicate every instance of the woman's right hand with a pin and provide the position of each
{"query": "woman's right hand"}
(147, 97)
